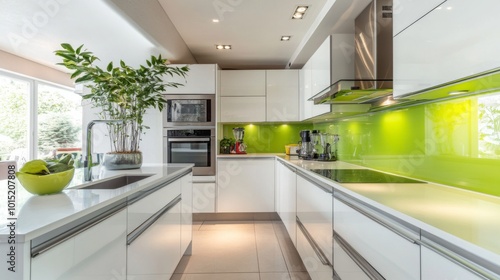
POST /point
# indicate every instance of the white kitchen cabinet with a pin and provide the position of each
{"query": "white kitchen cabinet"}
(439, 262)
(243, 109)
(345, 266)
(200, 79)
(287, 199)
(98, 252)
(243, 83)
(154, 246)
(406, 12)
(245, 185)
(314, 227)
(203, 197)
(282, 95)
(392, 254)
(186, 213)
(314, 77)
(449, 43)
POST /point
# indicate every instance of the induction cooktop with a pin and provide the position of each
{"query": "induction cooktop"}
(361, 176)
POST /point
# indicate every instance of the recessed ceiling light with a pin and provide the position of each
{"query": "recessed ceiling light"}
(286, 38)
(223, 47)
(215, 20)
(299, 12)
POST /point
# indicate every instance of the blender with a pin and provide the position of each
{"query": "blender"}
(329, 153)
(315, 141)
(239, 146)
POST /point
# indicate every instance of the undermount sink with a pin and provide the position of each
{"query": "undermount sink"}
(116, 182)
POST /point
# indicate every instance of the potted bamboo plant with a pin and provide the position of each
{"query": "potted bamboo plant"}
(122, 93)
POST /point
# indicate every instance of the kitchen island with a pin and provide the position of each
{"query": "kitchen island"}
(86, 232)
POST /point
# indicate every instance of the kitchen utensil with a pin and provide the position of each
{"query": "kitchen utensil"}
(45, 184)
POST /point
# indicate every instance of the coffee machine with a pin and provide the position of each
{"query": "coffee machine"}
(239, 146)
(306, 146)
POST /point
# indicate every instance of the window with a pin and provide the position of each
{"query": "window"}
(38, 120)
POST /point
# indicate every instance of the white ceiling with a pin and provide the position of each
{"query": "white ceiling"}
(181, 30)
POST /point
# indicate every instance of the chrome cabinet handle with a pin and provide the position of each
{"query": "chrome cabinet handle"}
(369, 270)
(322, 257)
(51, 243)
(323, 187)
(131, 237)
(188, 139)
(379, 221)
(458, 260)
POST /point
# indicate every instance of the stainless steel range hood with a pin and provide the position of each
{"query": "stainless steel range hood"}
(373, 60)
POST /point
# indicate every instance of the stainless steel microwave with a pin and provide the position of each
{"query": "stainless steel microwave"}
(189, 110)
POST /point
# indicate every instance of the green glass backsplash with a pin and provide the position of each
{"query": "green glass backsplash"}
(267, 138)
(455, 142)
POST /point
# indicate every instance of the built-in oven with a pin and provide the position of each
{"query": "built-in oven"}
(191, 145)
(189, 110)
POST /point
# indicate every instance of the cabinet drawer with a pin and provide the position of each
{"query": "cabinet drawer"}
(203, 197)
(314, 209)
(392, 255)
(345, 266)
(317, 269)
(141, 210)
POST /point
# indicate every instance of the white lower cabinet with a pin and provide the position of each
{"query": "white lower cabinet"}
(245, 185)
(98, 252)
(345, 266)
(203, 197)
(154, 248)
(287, 199)
(314, 227)
(186, 213)
(436, 266)
(393, 254)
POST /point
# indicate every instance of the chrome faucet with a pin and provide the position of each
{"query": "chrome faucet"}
(87, 171)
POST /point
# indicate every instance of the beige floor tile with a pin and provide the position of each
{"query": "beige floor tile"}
(299, 276)
(275, 276)
(268, 249)
(216, 276)
(221, 251)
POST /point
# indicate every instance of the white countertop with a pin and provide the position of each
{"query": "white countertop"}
(37, 215)
(467, 219)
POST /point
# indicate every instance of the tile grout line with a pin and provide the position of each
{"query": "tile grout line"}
(256, 248)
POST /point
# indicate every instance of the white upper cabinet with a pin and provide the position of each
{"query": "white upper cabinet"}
(200, 79)
(243, 109)
(452, 41)
(314, 77)
(406, 12)
(243, 83)
(282, 98)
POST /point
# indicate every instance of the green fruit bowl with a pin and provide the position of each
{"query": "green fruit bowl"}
(45, 184)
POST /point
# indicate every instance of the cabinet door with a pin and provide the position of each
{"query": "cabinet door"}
(314, 209)
(187, 213)
(435, 266)
(200, 79)
(393, 256)
(245, 185)
(345, 266)
(243, 83)
(449, 43)
(203, 197)
(282, 96)
(314, 77)
(243, 109)
(316, 269)
(96, 253)
(406, 12)
(288, 200)
(154, 255)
